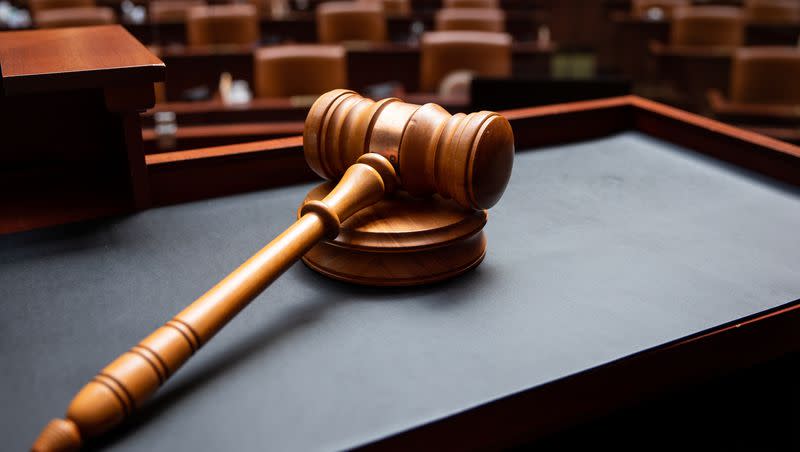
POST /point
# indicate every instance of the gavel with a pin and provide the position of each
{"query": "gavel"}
(372, 148)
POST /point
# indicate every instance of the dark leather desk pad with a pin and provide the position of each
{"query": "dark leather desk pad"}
(598, 250)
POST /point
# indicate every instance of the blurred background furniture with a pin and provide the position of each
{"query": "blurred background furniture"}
(444, 52)
(394, 8)
(774, 11)
(674, 51)
(697, 57)
(766, 75)
(235, 24)
(476, 19)
(493, 4)
(172, 10)
(339, 22)
(705, 26)
(36, 6)
(656, 9)
(764, 95)
(75, 17)
(298, 70)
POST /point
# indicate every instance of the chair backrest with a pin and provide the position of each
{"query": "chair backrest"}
(37, 6)
(222, 25)
(297, 70)
(75, 17)
(350, 21)
(766, 75)
(394, 7)
(656, 9)
(477, 19)
(471, 4)
(444, 52)
(707, 26)
(171, 10)
(772, 10)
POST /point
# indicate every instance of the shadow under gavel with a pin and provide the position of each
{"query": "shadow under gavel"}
(374, 148)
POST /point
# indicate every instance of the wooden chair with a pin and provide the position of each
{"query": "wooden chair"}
(471, 4)
(699, 54)
(775, 11)
(476, 19)
(161, 11)
(394, 8)
(707, 26)
(656, 9)
(444, 52)
(297, 70)
(235, 24)
(766, 75)
(764, 94)
(350, 21)
(75, 17)
(37, 6)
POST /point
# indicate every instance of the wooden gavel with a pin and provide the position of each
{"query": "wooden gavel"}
(374, 148)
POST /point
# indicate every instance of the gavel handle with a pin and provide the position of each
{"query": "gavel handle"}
(130, 379)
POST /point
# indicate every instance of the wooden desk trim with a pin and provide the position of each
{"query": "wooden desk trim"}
(210, 134)
(27, 65)
(181, 157)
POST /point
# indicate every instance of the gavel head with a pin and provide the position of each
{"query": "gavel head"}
(464, 157)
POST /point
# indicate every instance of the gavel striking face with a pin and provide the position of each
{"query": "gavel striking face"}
(464, 157)
(370, 146)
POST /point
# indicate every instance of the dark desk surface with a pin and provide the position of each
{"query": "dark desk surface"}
(598, 250)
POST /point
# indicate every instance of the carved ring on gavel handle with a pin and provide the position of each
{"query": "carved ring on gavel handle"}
(374, 148)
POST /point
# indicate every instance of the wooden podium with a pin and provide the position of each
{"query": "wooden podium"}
(69, 104)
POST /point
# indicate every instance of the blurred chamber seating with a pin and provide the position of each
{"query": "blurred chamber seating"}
(476, 19)
(339, 22)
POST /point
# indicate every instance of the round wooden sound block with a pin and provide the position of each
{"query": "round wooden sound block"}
(401, 241)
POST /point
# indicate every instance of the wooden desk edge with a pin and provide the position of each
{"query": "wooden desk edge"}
(601, 390)
(622, 103)
(534, 127)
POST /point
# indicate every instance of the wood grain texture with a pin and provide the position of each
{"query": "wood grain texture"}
(73, 58)
(401, 241)
(467, 158)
